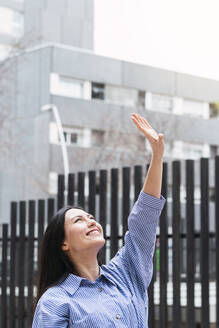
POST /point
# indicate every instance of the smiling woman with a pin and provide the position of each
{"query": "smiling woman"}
(74, 290)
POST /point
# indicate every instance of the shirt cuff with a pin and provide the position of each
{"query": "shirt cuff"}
(151, 201)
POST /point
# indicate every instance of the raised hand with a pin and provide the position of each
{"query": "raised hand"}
(155, 140)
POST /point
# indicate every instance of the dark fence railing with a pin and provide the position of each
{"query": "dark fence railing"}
(185, 258)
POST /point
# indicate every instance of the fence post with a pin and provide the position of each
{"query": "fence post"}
(30, 260)
(13, 247)
(163, 253)
(217, 236)
(176, 242)
(103, 209)
(4, 276)
(137, 180)
(81, 196)
(71, 189)
(125, 198)
(190, 237)
(41, 223)
(92, 193)
(21, 262)
(61, 188)
(50, 209)
(204, 261)
(151, 308)
(114, 213)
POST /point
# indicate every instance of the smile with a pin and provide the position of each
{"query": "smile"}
(93, 232)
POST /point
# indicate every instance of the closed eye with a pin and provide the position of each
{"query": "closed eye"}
(79, 218)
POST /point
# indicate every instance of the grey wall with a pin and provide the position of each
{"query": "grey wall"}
(25, 173)
(69, 21)
(84, 64)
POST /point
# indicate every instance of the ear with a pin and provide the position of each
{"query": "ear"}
(65, 246)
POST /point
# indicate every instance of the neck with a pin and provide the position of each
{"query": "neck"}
(87, 267)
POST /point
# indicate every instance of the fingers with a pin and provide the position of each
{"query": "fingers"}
(135, 120)
(145, 127)
(141, 120)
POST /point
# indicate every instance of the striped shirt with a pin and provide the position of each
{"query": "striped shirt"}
(118, 297)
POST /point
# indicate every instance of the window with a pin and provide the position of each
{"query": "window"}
(4, 51)
(77, 136)
(195, 108)
(12, 22)
(97, 138)
(214, 150)
(162, 103)
(68, 87)
(98, 91)
(214, 109)
(187, 150)
(121, 96)
(159, 103)
(182, 150)
(74, 136)
(141, 98)
(176, 105)
(53, 182)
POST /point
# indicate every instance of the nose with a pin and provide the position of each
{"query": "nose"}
(91, 222)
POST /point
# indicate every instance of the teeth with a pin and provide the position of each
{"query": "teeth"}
(95, 232)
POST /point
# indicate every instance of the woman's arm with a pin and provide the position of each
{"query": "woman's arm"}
(153, 180)
(133, 264)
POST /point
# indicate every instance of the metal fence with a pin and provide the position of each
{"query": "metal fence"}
(109, 196)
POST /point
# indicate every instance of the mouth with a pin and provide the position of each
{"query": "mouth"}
(93, 232)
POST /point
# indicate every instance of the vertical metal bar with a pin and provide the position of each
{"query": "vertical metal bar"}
(71, 189)
(81, 196)
(30, 261)
(50, 209)
(204, 243)
(125, 198)
(4, 276)
(190, 276)
(163, 254)
(21, 259)
(41, 223)
(114, 213)
(61, 189)
(176, 243)
(12, 309)
(217, 236)
(103, 208)
(137, 180)
(92, 193)
(151, 308)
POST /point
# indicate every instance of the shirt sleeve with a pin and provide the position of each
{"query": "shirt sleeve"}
(52, 311)
(133, 263)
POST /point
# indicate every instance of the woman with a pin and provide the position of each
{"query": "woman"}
(73, 290)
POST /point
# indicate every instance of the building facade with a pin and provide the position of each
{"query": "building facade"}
(95, 96)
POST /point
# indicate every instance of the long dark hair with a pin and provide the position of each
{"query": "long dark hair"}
(54, 264)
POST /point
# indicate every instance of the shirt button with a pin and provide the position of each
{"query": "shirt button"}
(100, 289)
(118, 316)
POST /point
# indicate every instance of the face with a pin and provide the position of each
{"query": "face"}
(82, 233)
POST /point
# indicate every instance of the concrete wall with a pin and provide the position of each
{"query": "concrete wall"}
(96, 114)
(68, 22)
(32, 157)
(13, 4)
(69, 62)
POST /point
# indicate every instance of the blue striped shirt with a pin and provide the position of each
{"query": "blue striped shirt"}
(118, 297)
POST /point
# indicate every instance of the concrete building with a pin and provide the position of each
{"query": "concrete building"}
(95, 96)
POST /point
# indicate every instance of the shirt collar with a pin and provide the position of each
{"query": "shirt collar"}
(72, 282)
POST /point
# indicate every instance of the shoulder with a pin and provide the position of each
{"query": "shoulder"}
(55, 299)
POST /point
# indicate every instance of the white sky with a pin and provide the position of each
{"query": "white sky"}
(180, 35)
